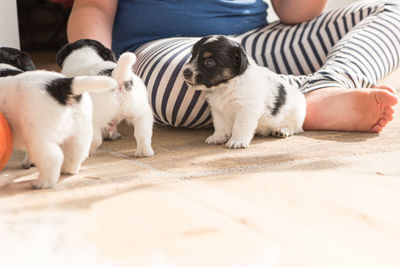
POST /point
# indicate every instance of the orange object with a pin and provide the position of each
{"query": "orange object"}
(6, 141)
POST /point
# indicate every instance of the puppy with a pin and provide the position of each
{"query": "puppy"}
(126, 101)
(50, 115)
(244, 98)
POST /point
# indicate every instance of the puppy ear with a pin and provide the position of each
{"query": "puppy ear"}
(25, 62)
(108, 55)
(21, 60)
(241, 59)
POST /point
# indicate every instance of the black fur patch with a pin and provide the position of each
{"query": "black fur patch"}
(61, 90)
(280, 100)
(77, 98)
(197, 46)
(128, 85)
(106, 72)
(16, 58)
(9, 72)
(101, 50)
(227, 58)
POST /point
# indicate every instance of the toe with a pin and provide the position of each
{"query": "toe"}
(382, 122)
(388, 117)
(385, 87)
(389, 110)
(388, 113)
(376, 128)
(385, 98)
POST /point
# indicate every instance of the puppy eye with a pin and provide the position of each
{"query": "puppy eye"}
(209, 62)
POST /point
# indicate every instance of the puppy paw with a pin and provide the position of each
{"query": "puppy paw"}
(146, 152)
(216, 139)
(113, 136)
(282, 133)
(70, 170)
(27, 164)
(236, 144)
(42, 184)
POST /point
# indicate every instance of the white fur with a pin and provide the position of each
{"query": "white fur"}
(57, 137)
(115, 105)
(240, 107)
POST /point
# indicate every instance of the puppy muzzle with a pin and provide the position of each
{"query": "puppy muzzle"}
(189, 75)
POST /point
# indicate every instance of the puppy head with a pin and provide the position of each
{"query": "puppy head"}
(105, 53)
(16, 58)
(215, 60)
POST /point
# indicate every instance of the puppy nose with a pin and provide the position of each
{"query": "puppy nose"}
(187, 73)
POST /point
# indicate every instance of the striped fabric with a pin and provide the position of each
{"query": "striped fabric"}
(349, 47)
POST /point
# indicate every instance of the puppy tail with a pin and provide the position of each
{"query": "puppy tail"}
(82, 84)
(123, 71)
(66, 89)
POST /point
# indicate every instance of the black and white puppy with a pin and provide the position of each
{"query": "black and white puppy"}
(50, 115)
(127, 101)
(244, 98)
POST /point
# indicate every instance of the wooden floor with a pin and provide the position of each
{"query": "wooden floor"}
(316, 199)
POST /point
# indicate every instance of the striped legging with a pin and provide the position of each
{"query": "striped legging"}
(354, 46)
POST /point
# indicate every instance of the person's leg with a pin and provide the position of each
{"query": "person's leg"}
(159, 64)
(351, 47)
(361, 59)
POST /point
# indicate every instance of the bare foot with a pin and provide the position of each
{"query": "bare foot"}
(360, 110)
